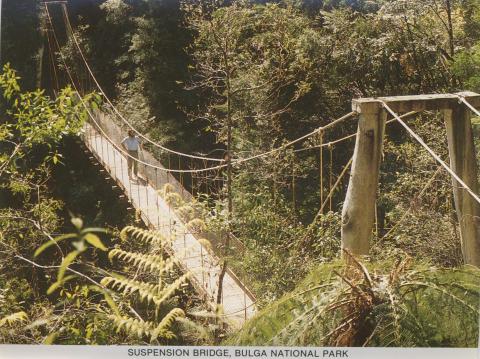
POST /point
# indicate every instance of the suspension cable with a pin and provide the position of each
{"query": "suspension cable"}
(77, 45)
(235, 161)
(334, 142)
(468, 104)
(431, 152)
(288, 144)
(104, 133)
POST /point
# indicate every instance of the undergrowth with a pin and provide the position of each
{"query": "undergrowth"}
(373, 304)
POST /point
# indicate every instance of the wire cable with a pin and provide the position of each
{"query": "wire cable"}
(77, 45)
(235, 161)
(431, 152)
(101, 129)
(334, 142)
(288, 144)
(468, 104)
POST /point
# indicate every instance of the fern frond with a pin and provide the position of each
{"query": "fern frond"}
(445, 292)
(145, 291)
(14, 318)
(167, 322)
(173, 199)
(196, 225)
(143, 261)
(168, 291)
(144, 235)
(186, 212)
(167, 188)
(132, 326)
(168, 265)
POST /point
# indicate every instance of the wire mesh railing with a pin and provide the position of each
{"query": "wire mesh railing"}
(103, 137)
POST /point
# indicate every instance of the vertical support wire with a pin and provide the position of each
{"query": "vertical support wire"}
(122, 173)
(203, 267)
(157, 188)
(207, 178)
(101, 143)
(114, 171)
(138, 190)
(169, 167)
(181, 175)
(192, 184)
(129, 174)
(146, 193)
(330, 179)
(146, 185)
(107, 145)
(294, 199)
(321, 168)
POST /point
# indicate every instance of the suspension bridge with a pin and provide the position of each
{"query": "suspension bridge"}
(104, 131)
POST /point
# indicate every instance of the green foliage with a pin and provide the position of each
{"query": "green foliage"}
(467, 67)
(36, 124)
(413, 218)
(13, 318)
(386, 305)
(121, 294)
(269, 72)
(155, 289)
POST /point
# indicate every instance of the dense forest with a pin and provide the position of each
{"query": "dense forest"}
(229, 80)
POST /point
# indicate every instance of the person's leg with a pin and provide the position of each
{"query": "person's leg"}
(129, 165)
(134, 154)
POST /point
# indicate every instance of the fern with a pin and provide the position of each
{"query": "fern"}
(173, 199)
(169, 290)
(144, 235)
(186, 212)
(14, 318)
(139, 328)
(196, 225)
(146, 262)
(395, 306)
(167, 322)
(149, 285)
(142, 261)
(142, 328)
(146, 291)
(167, 188)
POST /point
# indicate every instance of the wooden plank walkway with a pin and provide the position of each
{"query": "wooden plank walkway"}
(238, 303)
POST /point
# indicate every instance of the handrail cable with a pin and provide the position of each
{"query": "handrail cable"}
(334, 142)
(336, 121)
(77, 45)
(235, 161)
(121, 150)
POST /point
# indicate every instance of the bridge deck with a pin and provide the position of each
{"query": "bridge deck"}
(238, 304)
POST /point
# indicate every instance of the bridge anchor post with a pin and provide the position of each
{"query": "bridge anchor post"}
(358, 214)
(463, 162)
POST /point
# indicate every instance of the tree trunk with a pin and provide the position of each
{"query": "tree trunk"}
(451, 43)
(41, 53)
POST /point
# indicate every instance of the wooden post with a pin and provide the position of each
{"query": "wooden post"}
(358, 212)
(463, 161)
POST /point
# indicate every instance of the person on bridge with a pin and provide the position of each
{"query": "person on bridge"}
(132, 145)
